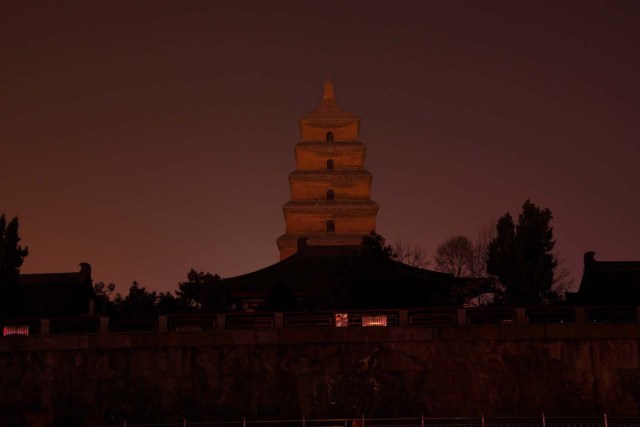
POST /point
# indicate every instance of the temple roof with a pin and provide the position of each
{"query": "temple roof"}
(345, 276)
(608, 282)
(59, 294)
(50, 279)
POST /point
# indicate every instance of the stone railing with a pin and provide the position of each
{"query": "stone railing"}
(411, 318)
(479, 421)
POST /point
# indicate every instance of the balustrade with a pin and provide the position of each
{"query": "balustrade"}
(412, 318)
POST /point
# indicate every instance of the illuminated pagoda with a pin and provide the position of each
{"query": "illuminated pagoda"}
(330, 189)
(330, 256)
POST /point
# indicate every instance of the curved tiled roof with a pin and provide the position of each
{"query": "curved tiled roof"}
(326, 271)
(609, 282)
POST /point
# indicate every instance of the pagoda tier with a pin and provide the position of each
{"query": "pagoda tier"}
(330, 189)
(348, 216)
(317, 156)
(313, 185)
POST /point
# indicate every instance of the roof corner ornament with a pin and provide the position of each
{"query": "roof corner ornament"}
(589, 259)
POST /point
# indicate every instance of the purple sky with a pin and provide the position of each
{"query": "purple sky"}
(149, 137)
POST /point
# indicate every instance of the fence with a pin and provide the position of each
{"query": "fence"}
(414, 318)
(481, 421)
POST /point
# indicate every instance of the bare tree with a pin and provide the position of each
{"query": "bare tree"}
(561, 283)
(478, 261)
(413, 255)
(465, 258)
(455, 256)
(103, 294)
(104, 290)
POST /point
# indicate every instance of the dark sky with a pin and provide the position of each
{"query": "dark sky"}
(150, 137)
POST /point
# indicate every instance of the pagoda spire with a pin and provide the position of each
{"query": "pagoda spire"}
(328, 94)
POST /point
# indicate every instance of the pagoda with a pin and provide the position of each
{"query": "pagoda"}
(330, 189)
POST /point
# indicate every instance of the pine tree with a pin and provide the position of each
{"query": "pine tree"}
(12, 299)
(11, 253)
(522, 259)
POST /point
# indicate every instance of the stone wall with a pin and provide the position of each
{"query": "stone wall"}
(495, 370)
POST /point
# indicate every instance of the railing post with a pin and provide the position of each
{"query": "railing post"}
(163, 324)
(45, 326)
(362, 420)
(220, 321)
(184, 422)
(304, 423)
(461, 316)
(244, 422)
(544, 420)
(482, 417)
(403, 318)
(422, 419)
(606, 422)
(278, 320)
(104, 325)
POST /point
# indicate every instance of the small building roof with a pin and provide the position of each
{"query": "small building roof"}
(608, 282)
(59, 294)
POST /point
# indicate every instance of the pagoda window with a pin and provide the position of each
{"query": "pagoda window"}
(330, 164)
(331, 226)
(331, 195)
(330, 136)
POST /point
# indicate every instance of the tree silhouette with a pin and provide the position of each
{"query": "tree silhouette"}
(12, 301)
(522, 259)
(455, 256)
(103, 292)
(203, 292)
(413, 255)
(463, 257)
(139, 301)
(11, 253)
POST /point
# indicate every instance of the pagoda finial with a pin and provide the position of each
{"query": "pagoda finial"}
(328, 94)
